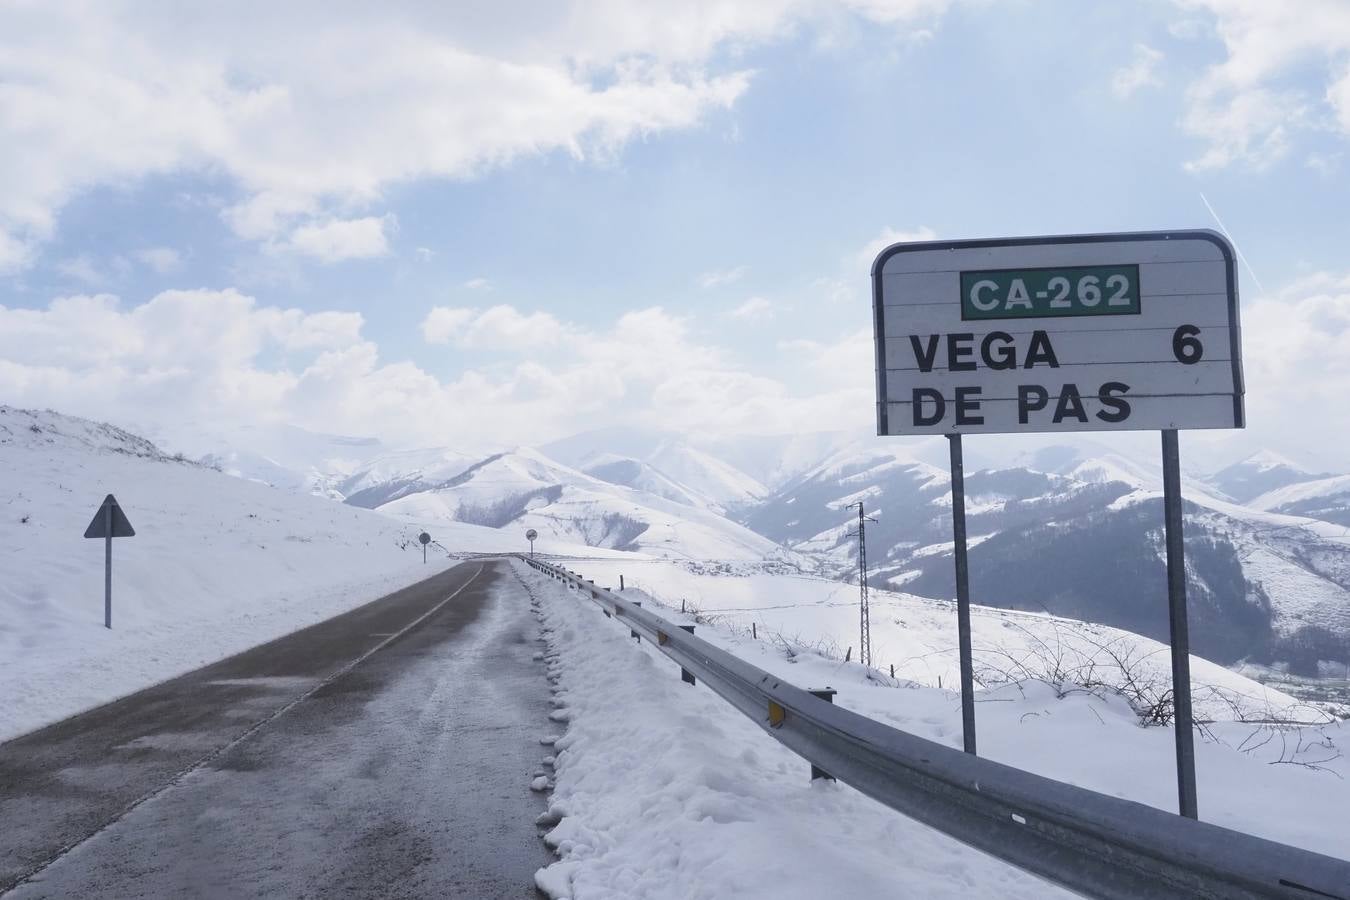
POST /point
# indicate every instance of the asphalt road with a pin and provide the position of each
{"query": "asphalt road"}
(384, 753)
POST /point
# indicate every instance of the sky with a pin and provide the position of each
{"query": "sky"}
(492, 224)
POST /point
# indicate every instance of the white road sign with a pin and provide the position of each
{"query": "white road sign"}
(1098, 332)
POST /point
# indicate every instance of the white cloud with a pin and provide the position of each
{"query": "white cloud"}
(311, 112)
(1246, 108)
(1142, 71)
(222, 356)
(81, 268)
(341, 239)
(1296, 360)
(888, 236)
(15, 254)
(478, 284)
(721, 277)
(500, 327)
(443, 324)
(424, 254)
(162, 260)
(753, 310)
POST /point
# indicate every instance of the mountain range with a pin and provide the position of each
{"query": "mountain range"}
(1069, 529)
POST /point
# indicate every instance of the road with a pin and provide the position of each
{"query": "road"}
(384, 753)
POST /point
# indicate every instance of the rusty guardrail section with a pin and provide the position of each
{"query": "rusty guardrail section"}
(1091, 843)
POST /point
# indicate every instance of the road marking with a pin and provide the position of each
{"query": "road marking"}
(254, 729)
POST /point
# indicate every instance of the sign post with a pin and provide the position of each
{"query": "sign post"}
(530, 536)
(424, 539)
(109, 522)
(1097, 332)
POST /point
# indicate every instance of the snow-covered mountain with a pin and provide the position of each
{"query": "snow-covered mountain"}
(1084, 541)
(1260, 473)
(1327, 499)
(524, 489)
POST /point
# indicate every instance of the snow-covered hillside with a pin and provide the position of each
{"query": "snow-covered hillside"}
(917, 635)
(1327, 499)
(218, 564)
(524, 489)
(1259, 474)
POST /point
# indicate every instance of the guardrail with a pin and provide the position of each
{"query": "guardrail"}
(1091, 843)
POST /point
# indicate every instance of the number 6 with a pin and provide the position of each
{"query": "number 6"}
(1186, 346)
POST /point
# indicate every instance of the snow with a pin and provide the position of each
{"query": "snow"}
(218, 564)
(662, 790)
(917, 635)
(570, 506)
(1304, 490)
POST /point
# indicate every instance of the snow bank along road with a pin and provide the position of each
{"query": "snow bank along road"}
(385, 752)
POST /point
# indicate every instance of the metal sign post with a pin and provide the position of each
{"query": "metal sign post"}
(1096, 332)
(108, 522)
(530, 536)
(962, 593)
(1179, 628)
(425, 539)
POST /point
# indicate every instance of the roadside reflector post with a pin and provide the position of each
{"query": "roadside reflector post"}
(826, 694)
(1180, 629)
(962, 593)
(621, 582)
(685, 675)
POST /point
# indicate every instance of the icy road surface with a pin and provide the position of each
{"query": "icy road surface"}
(404, 775)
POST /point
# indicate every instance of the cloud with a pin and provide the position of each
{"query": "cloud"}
(500, 327)
(81, 268)
(1249, 108)
(888, 236)
(478, 284)
(1296, 360)
(311, 113)
(340, 239)
(1142, 71)
(162, 260)
(223, 356)
(753, 310)
(444, 323)
(722, 277)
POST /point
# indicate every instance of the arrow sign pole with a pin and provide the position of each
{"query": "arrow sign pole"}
(109, 522)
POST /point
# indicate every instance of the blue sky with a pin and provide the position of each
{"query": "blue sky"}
(610, 212)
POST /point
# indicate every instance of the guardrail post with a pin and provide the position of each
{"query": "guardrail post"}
(685, 674)
(620, 582)
(637, 637)
(826, 694)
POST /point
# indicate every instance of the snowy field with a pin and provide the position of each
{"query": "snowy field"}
(664, 791)
(917, 635)
(218, 565)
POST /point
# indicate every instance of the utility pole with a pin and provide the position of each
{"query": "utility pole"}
(864, 614)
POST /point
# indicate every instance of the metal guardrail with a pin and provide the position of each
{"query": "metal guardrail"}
(1090, 843)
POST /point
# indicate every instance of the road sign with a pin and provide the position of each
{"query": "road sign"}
(530, 536)
(109, 522)
(1095, 332)
(424, 538)
(1100, 332)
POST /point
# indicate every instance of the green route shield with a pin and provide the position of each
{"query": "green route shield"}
(1044, 293)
